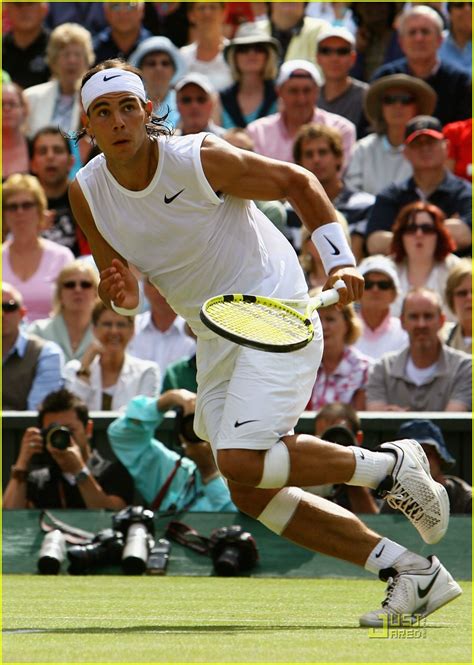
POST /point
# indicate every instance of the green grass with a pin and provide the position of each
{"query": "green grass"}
(108, 619)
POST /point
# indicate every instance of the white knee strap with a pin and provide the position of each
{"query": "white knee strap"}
(276, 467)
(279, 510)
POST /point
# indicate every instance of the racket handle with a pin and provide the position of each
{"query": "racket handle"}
(331, 296)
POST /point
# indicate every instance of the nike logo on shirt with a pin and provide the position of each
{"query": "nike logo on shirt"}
(170, 199)
(244, 422)
(336, 250)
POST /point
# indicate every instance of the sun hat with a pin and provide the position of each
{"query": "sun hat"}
(380, 263)
(154, 45)
(424, 95)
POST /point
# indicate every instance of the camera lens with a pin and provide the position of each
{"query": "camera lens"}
(52, 552)
(135, 552)
(228, 562)
(58, 436)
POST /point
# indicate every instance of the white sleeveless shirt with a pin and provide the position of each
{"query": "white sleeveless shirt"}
(196, 245)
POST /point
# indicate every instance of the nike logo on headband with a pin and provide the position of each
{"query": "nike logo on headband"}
(109, 78)
(336, 250)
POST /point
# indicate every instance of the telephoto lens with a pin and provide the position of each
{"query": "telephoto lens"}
(52, 553)
(58, 436)
(135, 552)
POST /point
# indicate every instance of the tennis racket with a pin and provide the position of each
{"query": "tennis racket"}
(267, 324)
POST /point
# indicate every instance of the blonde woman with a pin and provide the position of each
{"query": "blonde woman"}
(70, 324)
(343, 373)
(69, 55)
(458, 296)
(15, 157)
(30, 263)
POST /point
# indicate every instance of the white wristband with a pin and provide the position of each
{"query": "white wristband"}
(129, 312)
(332, 245)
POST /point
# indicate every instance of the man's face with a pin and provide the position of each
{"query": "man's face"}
(299, 96)
(158, 69)
(51, 161)
(26, 16)
(80, 434)
(422, 319)
(124, 17)
(206, 14)
(317, 157)
(195, 108)
(12, 314)
(420, 38)
(286, 14)
(335, 57)
(426, 152)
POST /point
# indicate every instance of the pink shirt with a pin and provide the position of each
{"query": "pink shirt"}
(271, 137)
(341, 385)
(389, 336)
(38, 291)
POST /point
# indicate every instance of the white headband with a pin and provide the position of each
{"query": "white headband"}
(111, 80)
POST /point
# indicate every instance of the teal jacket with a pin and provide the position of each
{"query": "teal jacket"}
(150, 463)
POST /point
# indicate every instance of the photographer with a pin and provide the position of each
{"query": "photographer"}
(56, 467)
(166, 480)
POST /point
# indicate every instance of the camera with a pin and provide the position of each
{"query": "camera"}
(136, 525)
(184, 425)
(105, 548)
(58, 436)
(52, 552)
(233, 551)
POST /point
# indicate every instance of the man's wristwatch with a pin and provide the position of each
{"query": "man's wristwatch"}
(82, 475)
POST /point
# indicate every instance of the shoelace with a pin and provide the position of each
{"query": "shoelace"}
(389, 592)
(400, 499)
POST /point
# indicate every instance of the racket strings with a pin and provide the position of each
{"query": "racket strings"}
(261, 322)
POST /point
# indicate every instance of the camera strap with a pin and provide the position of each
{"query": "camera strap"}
(164, 488)
(185, 535)
(73, 535)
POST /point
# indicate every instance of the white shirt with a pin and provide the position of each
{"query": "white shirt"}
(163, 348)
(217, 70)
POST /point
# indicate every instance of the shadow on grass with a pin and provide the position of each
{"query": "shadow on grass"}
(231, 628)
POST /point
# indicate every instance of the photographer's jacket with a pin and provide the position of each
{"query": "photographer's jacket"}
(151, 463)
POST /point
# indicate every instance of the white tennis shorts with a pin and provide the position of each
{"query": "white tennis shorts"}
(248, 398)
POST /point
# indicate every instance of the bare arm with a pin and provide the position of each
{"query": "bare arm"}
(117, 282)
(250, 176)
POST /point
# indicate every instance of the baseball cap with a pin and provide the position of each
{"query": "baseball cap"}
(425, 431)
(197, 79)
(336, 31)
(380, 263)
(288, 69)
(423, 124)
(339, 434)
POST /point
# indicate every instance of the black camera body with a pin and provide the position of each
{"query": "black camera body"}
(105, 549)
(184, 425)
(59, 436)
(233, 551)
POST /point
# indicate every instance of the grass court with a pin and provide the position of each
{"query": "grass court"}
(110, 619)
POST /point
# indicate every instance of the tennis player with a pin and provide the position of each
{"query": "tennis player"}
(180, 210)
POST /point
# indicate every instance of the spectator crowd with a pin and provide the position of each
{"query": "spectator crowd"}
(375, 102)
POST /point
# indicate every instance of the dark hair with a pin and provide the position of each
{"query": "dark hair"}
(394, 9)
(100, 308)
(337, 411)
(444, 244)
(155, 127)
(49, 130)
(315, 131)
(63, 400)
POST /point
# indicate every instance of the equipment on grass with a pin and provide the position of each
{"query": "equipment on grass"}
(52, 553)
(267, 324)
(136, 525)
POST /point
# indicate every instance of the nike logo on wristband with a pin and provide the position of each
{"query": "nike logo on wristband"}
(380, 552)
(109, 78)
(336, 250)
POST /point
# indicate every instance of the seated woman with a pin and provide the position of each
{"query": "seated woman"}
(253, 61)
(422, 250)
(458, 295)
(70, 325)
(343, 373)
(15, 155)
(30, 263)
(108, 377)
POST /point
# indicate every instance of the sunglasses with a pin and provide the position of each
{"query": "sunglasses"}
(462, 293)
(398, 99)
(10, 306)
(190, 100)
(340, 50)
(23, 205)
(383, 284)
(412, 229)
(247, 48)
(152, 62)
(83, 284)
(123, 6)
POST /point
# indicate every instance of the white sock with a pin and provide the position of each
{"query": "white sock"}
(371, 467)
(384, 555)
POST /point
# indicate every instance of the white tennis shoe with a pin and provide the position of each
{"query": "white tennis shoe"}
(411, 489)
(412, 593)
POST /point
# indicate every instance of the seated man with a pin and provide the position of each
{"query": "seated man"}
(166, 480)
(427, 375)
(431, 439)
(195, 96)
(71, 476)
(31, 367)
(339, 423)
(426, 150)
